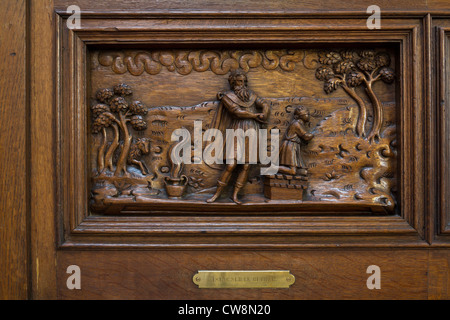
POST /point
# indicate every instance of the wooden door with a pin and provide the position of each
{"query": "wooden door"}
(361, 186)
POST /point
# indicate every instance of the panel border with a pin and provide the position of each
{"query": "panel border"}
(442, 49)
(80, 230)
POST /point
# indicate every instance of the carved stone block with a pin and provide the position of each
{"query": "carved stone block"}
(283, 187)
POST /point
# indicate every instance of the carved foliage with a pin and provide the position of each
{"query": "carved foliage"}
(113, 110)
(351, 69)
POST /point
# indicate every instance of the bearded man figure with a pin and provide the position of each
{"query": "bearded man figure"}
(238, 110)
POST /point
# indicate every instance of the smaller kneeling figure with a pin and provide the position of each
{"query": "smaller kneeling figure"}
(290, 149)
(291, 181)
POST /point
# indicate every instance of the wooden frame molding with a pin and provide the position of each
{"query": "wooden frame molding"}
(43, 201)
(442, 52)
(137, 252)
(286, 230)
(14, 217)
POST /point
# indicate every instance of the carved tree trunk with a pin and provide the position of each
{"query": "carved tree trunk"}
(362, 117)
(101, 154)
(377, 113)
(122, 162)
(112, 149)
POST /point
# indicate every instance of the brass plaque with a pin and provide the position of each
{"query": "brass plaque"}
(220, 279)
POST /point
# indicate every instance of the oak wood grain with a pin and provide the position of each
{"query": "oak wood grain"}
(336, 274)
(439, 275)
(189, 32)
(441, 102)
(43, 206)
(13, 148)
(264, 6)
(400, 245)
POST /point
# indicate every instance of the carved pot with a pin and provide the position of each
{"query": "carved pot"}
(175, 187)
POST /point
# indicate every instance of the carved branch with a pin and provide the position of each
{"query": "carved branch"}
(101, 153)
(362, 117)
(377, 113)
(112, 148)
(122, 162)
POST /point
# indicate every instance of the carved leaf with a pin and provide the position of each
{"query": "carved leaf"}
(343, 67)
(331, 85)
(119, 104)
(104, 95)
(348, 54)
(98, 109)
(382, 60)
(104, 120)
(367, 64)
(138, 108)
(324, 73)
(123, 90)
(387, 75)
(138, 123)
(329, 58)
(369, 54)
(354, 78)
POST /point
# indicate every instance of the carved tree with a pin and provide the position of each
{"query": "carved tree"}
(349, 70)
(103, 120)
(116, 112)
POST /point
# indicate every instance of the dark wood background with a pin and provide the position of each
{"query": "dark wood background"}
(32, 265)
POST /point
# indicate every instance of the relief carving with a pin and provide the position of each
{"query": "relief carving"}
(329, 148)
(184, 62)
(349, 70)
(239, 109)
(116, 112)
(292, 177)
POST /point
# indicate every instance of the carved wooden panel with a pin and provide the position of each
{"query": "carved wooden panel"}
(140, 97)
(348, 118)
(179, 54)
(442, 36)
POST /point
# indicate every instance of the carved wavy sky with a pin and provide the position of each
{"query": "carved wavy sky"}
(185, 62)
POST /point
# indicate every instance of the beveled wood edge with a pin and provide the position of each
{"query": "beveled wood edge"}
(443, 37)
(430, 148)
(257, 246)
(43, 202)
(311, 235)
(409, 36)
(229, 225)
(15, 227)
(402, 14)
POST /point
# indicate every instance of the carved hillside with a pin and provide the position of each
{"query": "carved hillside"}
(343, 166)
(335, 152)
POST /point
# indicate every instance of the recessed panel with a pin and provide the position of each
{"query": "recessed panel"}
(282, 130)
